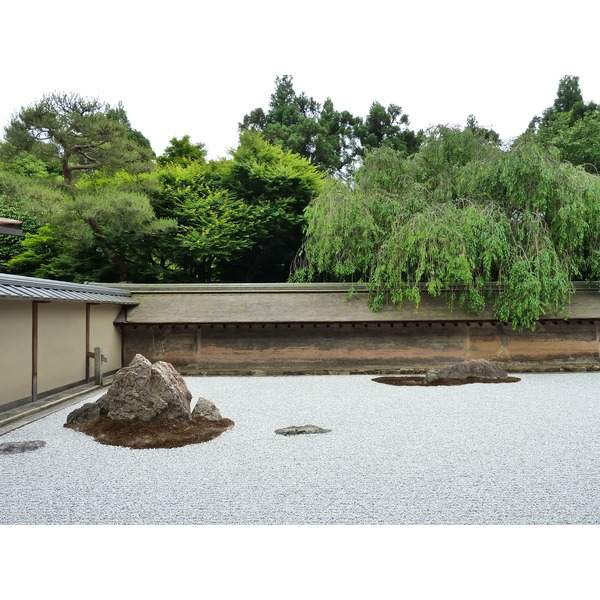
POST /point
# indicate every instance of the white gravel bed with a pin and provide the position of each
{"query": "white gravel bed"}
(520, 453)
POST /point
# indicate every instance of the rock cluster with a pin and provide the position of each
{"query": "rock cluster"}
(468, 371)
(148, 406)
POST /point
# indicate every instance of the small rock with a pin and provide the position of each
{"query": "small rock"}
(92, 411)
(430, 375)
(205, 409)
(19, 447)
(301, 429)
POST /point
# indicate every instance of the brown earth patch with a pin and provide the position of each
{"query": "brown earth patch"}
(416, 380)
(409, 380)
(160, 433)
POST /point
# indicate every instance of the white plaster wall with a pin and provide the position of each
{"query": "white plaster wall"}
(15, 350)
(103, 333)
(61, 344)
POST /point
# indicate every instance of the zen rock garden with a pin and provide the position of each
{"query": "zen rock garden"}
(148, 406)
(461, 373)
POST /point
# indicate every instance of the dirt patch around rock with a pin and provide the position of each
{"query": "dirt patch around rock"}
(417, 380)
(160, 433)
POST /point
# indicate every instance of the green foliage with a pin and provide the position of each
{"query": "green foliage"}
(577, 139)
(571, 125)
(331, 139)
(239, 219)
(292, 120)
(30, 197)
(98, 221)
(336, 146)
(568, 94)
(213, 226)
(489, 134)
(455, 217)
(182, 152)
(409, 212)
(119, 114)
(39, 256)
(278, 184)
(74, 134)
(103, 234)
(345, 227)
(21, 162)
(386, 127)
(12, 207)
(99, 231)
(263, 173)
(234, 219)
(43, 252)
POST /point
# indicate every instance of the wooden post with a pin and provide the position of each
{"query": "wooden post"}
(87, 341)
(34, 349)
(98, 360)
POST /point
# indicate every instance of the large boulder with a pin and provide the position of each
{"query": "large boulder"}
(148, 406)
(147, 391)
(141, 391)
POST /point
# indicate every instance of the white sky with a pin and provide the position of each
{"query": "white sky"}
(197, 67)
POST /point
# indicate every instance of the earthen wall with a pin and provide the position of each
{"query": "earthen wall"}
(319, 347)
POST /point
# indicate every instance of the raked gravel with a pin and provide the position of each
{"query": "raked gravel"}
(519, 453)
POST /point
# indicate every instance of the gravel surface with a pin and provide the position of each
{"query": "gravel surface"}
(520, 453)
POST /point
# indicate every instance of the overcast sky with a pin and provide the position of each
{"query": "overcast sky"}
(183, 67)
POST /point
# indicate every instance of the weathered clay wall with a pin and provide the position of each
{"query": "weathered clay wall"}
(295, 347)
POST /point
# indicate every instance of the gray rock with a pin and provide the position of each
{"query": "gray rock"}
(430, 375)
(469, 368)
(205, 409)
(19, 447)
(145, 391)
(301, 429)
(141, 391)
(92, 411)
(138, 404)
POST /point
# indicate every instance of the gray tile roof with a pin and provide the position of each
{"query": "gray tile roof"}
(305, 303)
(274, 307)
(17, 287)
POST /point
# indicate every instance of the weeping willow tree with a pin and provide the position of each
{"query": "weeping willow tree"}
(510, 230)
